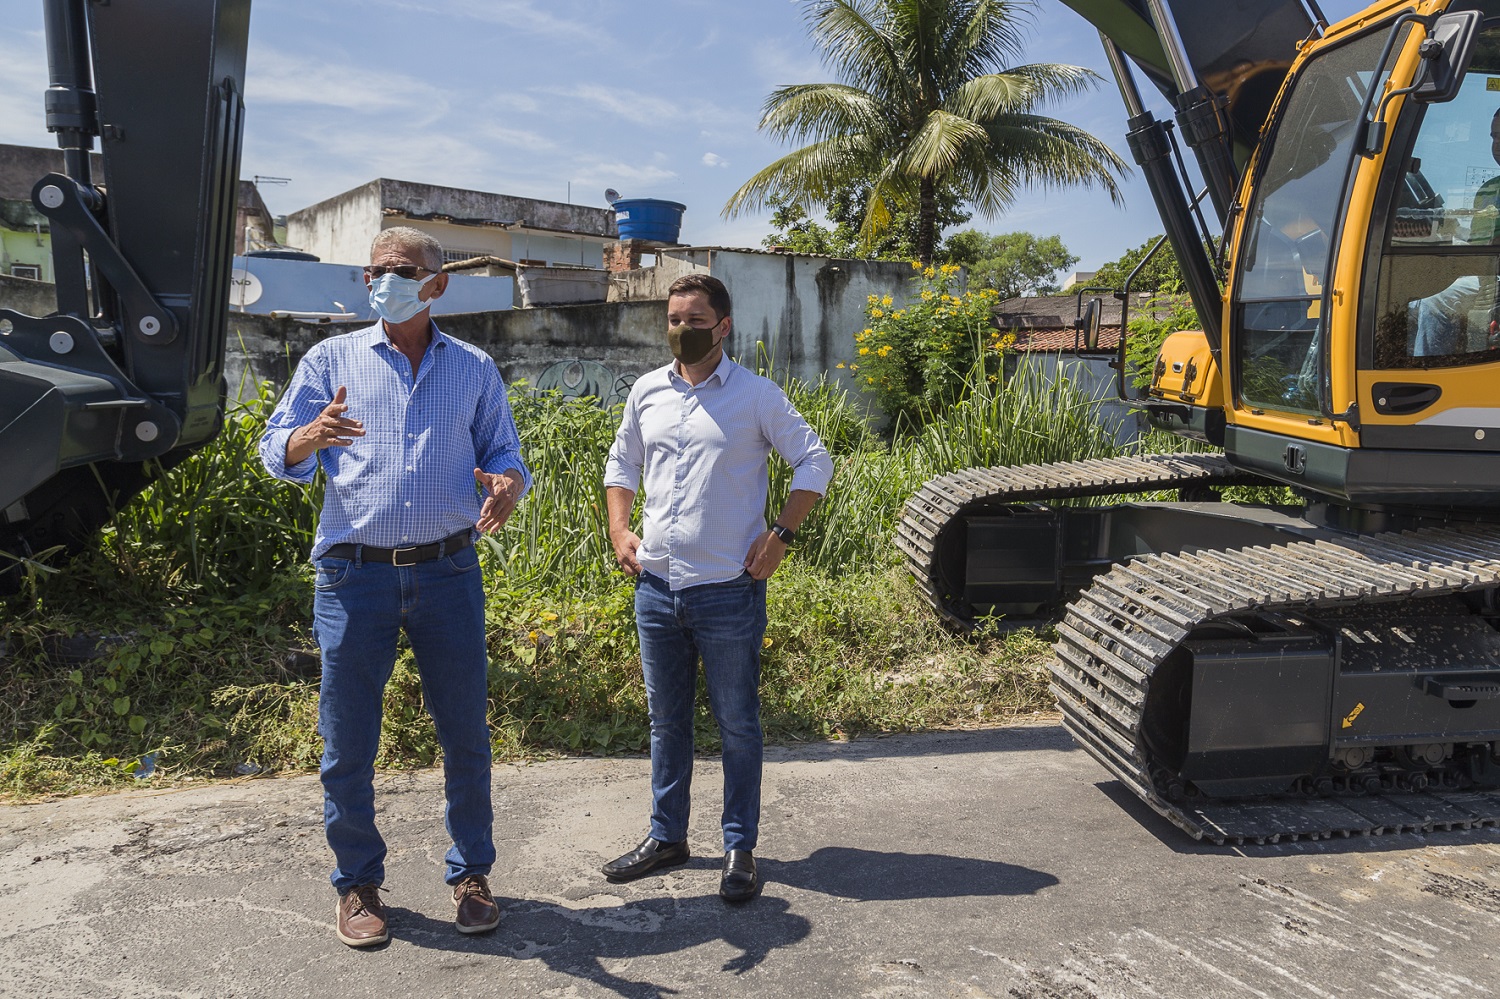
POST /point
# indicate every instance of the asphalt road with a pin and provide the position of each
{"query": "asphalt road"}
(1001, 862)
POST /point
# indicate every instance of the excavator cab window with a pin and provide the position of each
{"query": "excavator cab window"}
(1279, 332)
(1437, 302)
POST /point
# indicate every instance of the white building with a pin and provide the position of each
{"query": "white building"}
(469, 224)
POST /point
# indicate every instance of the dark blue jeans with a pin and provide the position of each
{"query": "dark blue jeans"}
(359, 610)
(723, 623)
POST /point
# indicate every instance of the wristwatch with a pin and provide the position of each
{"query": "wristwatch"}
(786, 534)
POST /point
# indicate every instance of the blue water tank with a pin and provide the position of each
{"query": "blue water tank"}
(648, 218)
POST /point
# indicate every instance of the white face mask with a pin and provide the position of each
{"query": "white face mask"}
(394, 298)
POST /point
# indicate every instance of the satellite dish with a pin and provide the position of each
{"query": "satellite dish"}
(611, 195)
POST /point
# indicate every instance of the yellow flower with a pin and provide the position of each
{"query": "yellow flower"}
(532, 637)
(853, 367)
(886, 301)
(929, 272)
(885, 351)
(926, 295)
(950, 268)
(548, 616)
(872, 299)
(916, 265)
(765, 643)
(839, 365)
(876, 313)
(863, 351)
(870, 380)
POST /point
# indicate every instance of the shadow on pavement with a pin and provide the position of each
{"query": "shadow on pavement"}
(575, 941)
(878, 876)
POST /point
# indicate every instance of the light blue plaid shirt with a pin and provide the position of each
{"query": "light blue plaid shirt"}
(410, 479)
(703, 449)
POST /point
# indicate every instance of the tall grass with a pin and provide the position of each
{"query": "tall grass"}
(191, 662)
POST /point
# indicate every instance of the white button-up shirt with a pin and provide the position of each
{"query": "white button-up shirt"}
(702, 450)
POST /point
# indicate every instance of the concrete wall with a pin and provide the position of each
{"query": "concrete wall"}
(339, 230)
(596, 349)
(1094, 378)
(804, 309)
(30, 298)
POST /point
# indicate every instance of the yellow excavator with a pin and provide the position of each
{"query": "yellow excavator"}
(1330, 667)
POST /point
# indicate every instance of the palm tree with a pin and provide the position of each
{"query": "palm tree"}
(923, 104)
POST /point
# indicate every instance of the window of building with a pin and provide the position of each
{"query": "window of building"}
(26, 271)
(453, 256)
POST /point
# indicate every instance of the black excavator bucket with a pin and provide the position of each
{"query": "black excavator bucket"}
(130, 367)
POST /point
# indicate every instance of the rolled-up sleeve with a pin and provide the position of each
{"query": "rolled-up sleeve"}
(303, 400)
(795, 441)
(497, 445)
(627, 453)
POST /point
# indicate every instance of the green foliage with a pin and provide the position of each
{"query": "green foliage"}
(924, 105)
(1149, 328)
(918, 359)
(847, 207)
(1162, 274)
(182, 674)
(1012, 263)
(215, 522)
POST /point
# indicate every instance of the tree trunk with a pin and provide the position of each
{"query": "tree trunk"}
(927, 222)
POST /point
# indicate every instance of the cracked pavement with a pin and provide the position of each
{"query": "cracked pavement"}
(999, 862)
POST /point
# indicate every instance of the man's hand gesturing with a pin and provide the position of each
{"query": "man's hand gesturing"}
(331, 428)
(502, 491)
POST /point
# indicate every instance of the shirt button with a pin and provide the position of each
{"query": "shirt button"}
(408, 502)
(406, 537)
(411, 437)
(408, 468)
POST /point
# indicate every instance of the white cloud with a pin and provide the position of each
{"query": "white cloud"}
(642, 109)
(518, 16)
(23, 79)
(714, 160)
(274, 77)
(780, 64)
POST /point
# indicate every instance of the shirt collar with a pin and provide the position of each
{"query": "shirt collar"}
(722, 371)
(377, 335)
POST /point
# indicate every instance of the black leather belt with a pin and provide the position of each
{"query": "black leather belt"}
(402, 556)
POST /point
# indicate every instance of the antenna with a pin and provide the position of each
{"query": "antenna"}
(611, 195)
(258, 180)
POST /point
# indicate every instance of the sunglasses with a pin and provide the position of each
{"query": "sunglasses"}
(408, 271)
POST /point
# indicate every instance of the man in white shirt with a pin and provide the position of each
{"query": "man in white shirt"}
(700, 431)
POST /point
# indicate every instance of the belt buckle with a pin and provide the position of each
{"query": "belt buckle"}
(396, 554)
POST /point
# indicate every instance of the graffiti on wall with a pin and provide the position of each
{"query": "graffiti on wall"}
(576, 378)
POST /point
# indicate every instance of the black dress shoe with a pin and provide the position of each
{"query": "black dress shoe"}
(740, 881)
(644, 859)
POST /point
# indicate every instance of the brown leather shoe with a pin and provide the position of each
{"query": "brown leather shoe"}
(477, 911)
(361, 921)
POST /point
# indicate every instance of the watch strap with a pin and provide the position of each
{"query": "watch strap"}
(786, 534)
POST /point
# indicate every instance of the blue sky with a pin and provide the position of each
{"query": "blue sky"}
(560, 99)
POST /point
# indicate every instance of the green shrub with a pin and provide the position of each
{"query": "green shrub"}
(918, 359)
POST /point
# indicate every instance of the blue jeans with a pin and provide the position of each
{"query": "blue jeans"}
(359, 610)
(723, 623)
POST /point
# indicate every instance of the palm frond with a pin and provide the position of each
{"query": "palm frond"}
(939, 145)
(807, 176)
(820, 111)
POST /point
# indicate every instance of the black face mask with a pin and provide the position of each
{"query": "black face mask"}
(690, 344)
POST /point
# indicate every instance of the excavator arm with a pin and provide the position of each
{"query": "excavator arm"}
(129, 369)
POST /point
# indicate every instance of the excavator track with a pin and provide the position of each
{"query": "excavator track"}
(944, 500)
(1123, 626)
